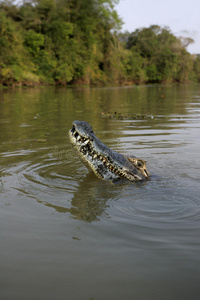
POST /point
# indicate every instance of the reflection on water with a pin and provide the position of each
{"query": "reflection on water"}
(88, 200)
(61, 227)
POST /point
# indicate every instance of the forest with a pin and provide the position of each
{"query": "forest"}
(69, 42)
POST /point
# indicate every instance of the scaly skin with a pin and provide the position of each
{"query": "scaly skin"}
(104, 162)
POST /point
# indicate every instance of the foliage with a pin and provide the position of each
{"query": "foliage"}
(14, 60)
(78, 41)
(164, 55)
(197, 68)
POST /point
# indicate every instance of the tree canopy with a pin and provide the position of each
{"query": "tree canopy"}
(78, 41)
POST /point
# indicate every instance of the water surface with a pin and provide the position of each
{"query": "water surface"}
(65, 234)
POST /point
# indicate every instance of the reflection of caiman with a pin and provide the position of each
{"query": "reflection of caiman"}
(88, 200)
(103, 161)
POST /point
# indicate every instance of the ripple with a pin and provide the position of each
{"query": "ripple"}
(32, 174)
(162, 207)
(21, 152)
(158, 203)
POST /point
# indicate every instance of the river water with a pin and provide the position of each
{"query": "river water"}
(66, 234)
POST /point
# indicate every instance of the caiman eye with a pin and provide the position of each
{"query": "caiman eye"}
(140, 163)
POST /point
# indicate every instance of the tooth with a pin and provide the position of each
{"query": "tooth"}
(95, 156)
(78, 138)
(86, 142)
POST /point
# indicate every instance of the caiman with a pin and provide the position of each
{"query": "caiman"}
(104, 162)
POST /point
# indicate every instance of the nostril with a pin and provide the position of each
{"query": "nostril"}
(73, 128)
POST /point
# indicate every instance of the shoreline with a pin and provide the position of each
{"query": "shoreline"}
(92, 85)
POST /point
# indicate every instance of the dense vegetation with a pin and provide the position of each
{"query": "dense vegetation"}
(78, 41)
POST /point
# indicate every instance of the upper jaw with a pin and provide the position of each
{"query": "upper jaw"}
(83, 129)
(78, 137)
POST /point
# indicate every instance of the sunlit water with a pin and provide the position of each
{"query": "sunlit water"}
(65, 234)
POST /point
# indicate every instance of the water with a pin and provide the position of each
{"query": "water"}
(65, 234)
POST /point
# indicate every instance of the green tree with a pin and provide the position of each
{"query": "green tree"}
(197, 68)
(15, 66)
(78, 41)
(165, 56)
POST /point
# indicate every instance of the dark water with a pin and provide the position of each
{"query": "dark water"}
(65, 234)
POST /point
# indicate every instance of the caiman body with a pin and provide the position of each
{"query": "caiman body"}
(104, 162)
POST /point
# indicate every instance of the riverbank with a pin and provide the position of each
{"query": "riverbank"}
(26, 85)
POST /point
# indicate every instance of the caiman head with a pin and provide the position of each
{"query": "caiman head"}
(104, 162)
